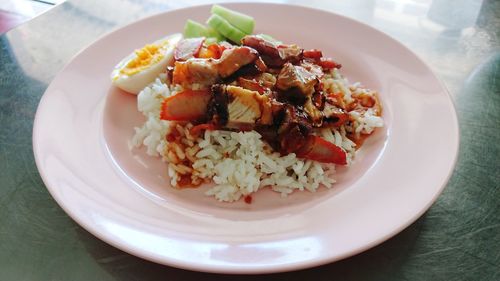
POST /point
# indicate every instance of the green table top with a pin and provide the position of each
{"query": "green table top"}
(457, 239)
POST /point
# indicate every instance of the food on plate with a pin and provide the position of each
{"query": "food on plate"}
(252, 114)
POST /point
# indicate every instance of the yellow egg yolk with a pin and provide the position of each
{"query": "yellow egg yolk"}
(148, 55)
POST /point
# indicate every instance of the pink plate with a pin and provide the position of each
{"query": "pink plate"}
(83, 126)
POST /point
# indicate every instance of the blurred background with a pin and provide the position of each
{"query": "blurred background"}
(15, 12)
(459, 13)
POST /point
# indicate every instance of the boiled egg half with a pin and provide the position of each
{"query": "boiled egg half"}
(142, 67)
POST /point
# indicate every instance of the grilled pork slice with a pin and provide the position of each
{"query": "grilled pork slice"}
(233, 59)
(240, 108)
(273, 55)
(318, 149)
(187, 105)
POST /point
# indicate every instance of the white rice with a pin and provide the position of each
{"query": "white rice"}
(240, 163)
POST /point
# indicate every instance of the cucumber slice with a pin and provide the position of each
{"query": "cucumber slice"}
(225, 28)
(241, 21)
(214, 34)
(194, 29)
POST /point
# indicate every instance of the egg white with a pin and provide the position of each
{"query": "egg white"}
(134, 83)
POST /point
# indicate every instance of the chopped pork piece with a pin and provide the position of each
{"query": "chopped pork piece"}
(243, 108)
(260, 64)
(313, 112)
(318, 99)
(292, 96)
(290, 53)
(195, 71)
(233, 59)
(268, 50)
(251, 84)
(239, 108)
(274, 56)
(295, 76)
(266, 79)
(217, 109)
(186, 106)
(293, 128)
(313, 68)
(247, 71)
(261, 83)
(334, 116)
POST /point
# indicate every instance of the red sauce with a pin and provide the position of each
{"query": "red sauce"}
(170, 138)
(248, 199)
(336, 99)
(184, 181)
(366, 100)
(198, 129)
(173, 135)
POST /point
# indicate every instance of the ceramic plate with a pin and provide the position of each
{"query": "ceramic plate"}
(81, 144)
